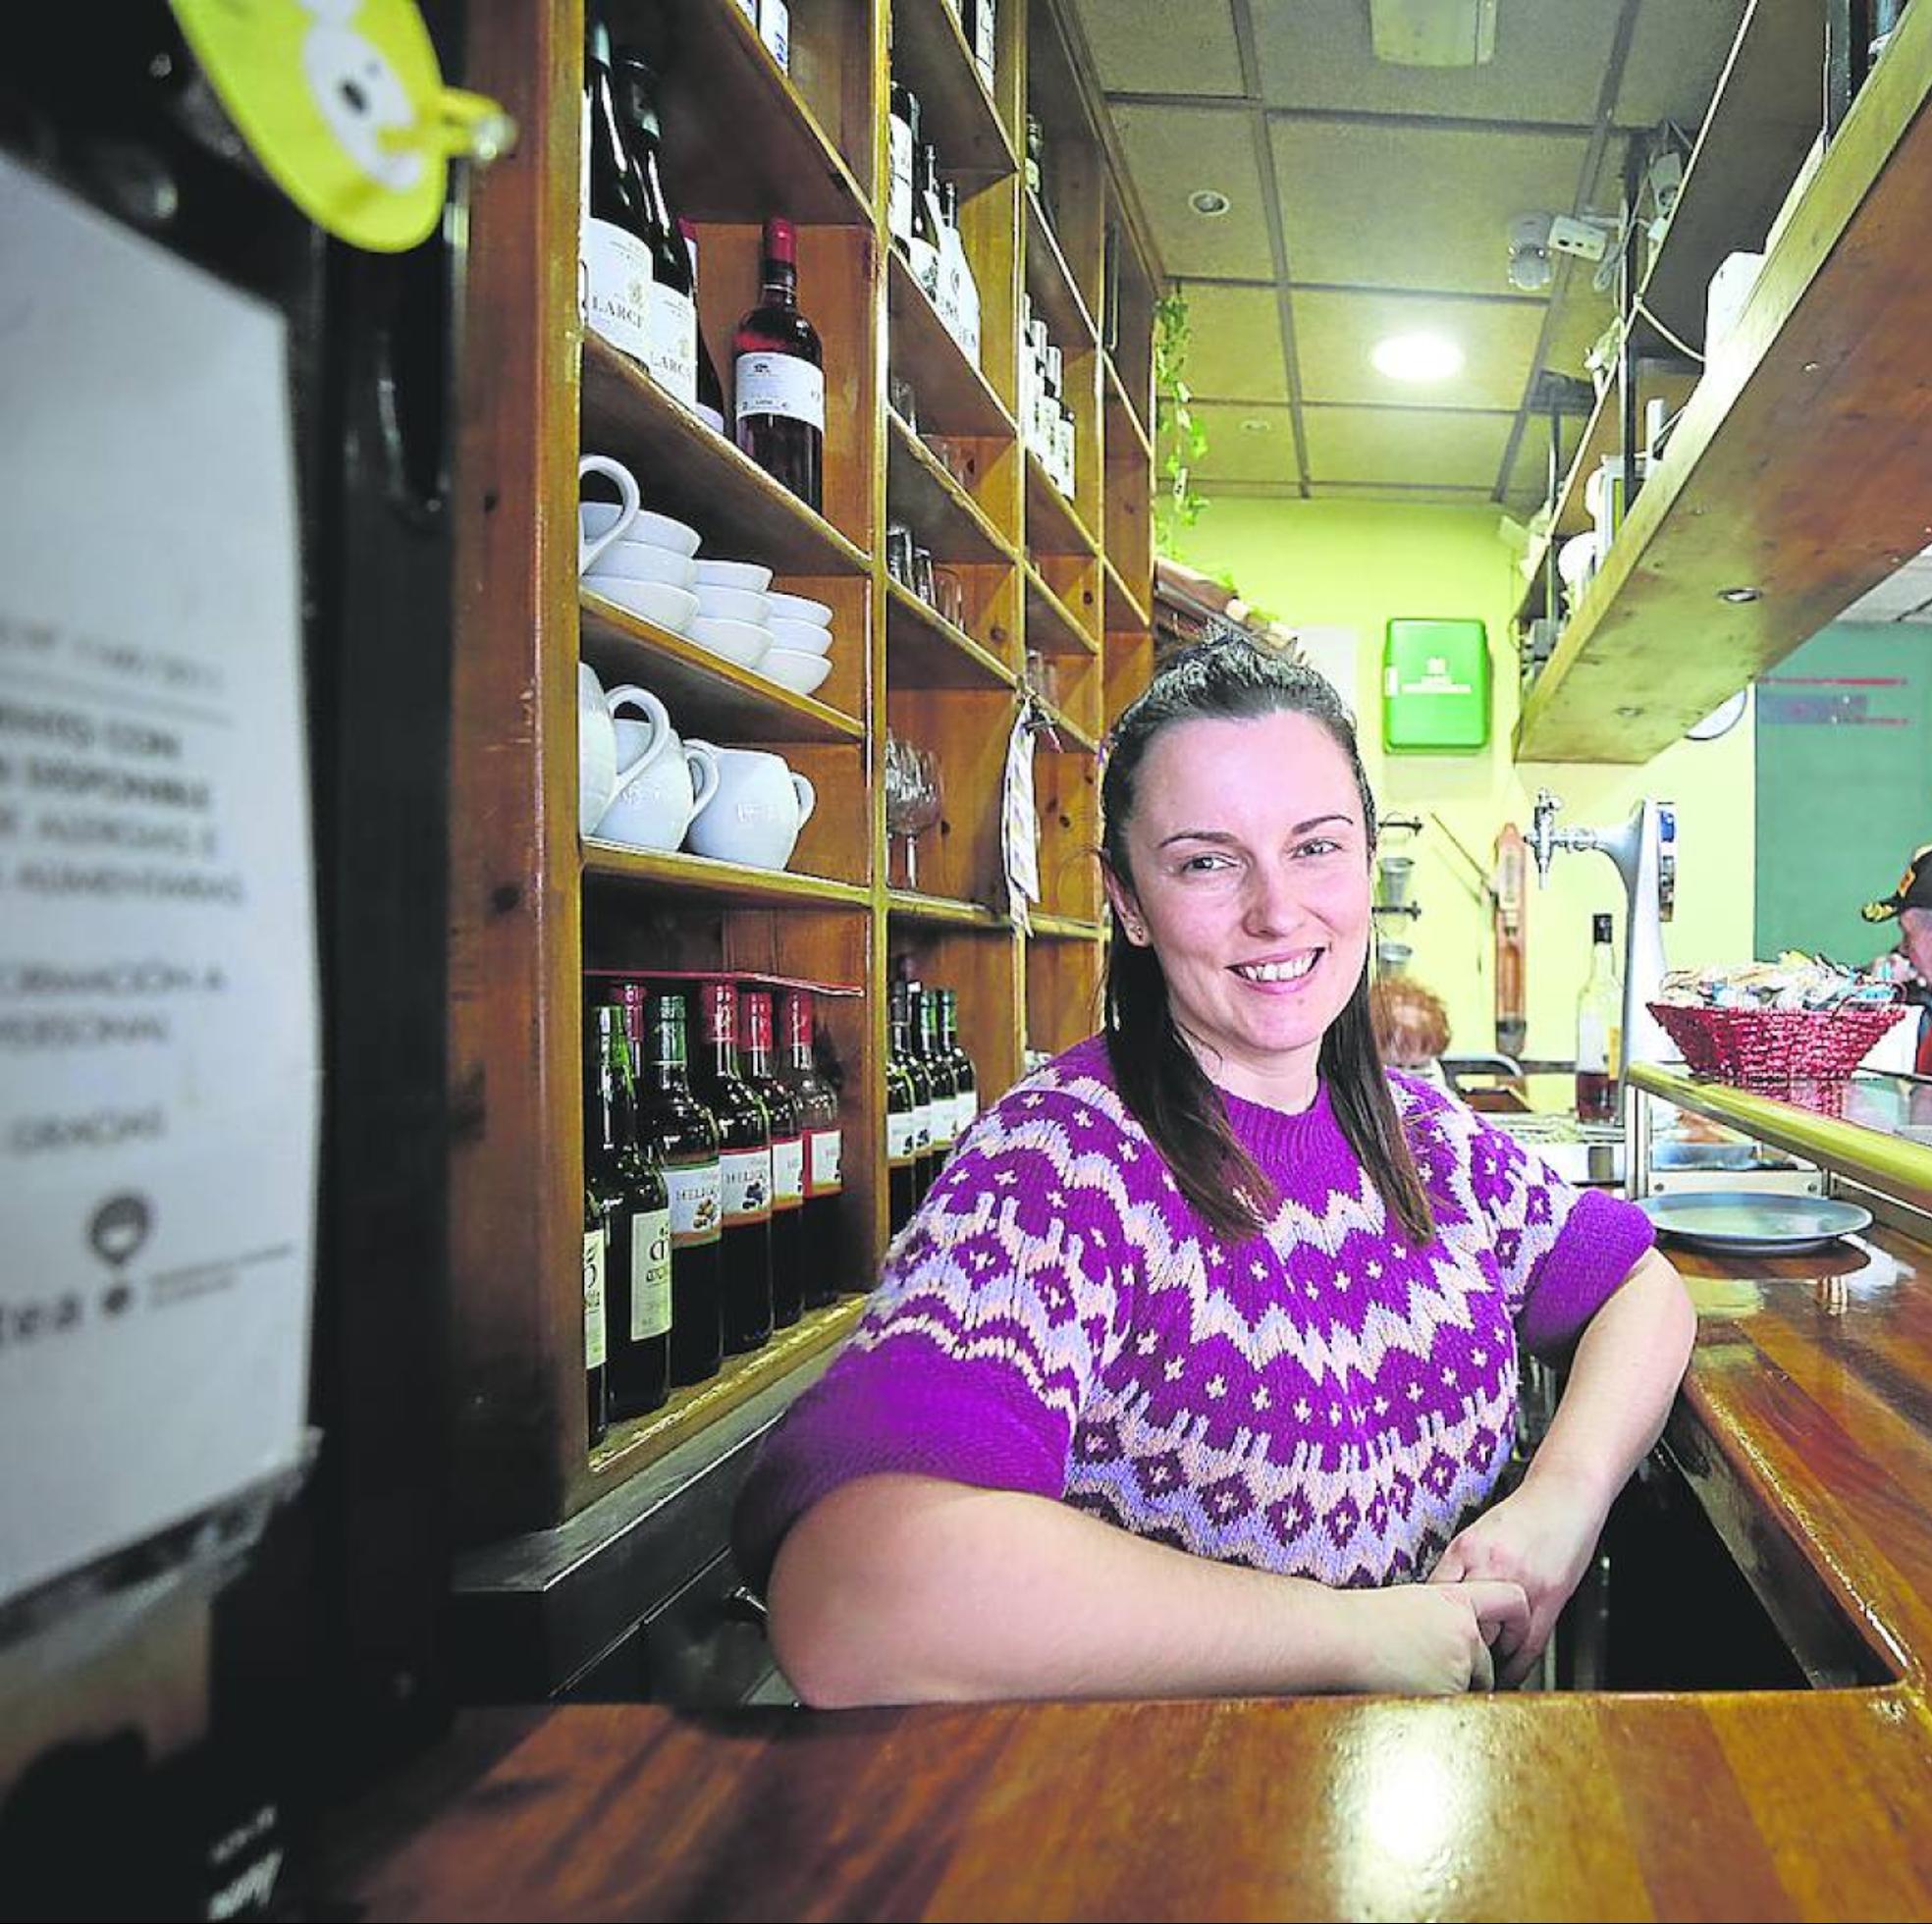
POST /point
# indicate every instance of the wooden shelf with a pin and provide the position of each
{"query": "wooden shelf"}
(1074, 739)
(942, 911)
(957, 112)
(955, 398)
(687, 472)
(709, 695)
(1057, 295)
(629, 1446)
(1123, 606)
(729, 884)
(1051, 625)
(794, 164)
(1798, 468)
(923, 651)
(1053, 525)
(1064, 928)
(943, 515)
(1121, 411)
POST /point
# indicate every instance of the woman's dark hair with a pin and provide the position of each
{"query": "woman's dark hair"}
(1159, 1078)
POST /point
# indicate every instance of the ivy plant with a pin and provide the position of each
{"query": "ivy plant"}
(1182, 435)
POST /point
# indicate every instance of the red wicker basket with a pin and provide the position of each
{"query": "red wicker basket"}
(1773, 1049)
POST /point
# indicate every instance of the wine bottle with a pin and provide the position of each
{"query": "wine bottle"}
(671, 320)
(681, 1134)
(710, 391)
(939, 1072)
(744, 1135)
(787, 1119)
(921, 1091)
(923, 253)
(824, 1145)
(1599, 1017)
(597, 1396)
(778, 376)
(904, 144)
(636, 1205)
(901, 1141)
(965, 1078)
(613, 253)
(961, 307)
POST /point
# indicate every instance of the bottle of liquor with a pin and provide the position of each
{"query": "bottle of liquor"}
(778, 376)
(636, 1207)
(710, 391)
(744, 1135)
(825, 1143)
(962, 305)
(922, 1091)
(782, 1107)
(1599, 1019)
(937, 1065)
(965, 1078)
(682, 1135)
(597, 1396)
(672, 324)
(614, 257)
(902, 1142)
(923, 254)
(906, 142)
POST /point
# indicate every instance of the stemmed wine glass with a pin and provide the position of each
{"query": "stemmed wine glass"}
(912, 798)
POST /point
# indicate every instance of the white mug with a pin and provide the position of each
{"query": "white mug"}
(597, 750)
(589, 550)
(757, 811)
(661, 782)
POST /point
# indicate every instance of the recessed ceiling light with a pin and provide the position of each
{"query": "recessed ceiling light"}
(1740, 594)
(1255, 424)
(1418, 358)
(1209, 202)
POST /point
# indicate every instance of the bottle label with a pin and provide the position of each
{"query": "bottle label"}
(788, 1171)
(986, 23)
(593, 1299)
(775, 29)
(922, 1129)
(697, 1214)
(1592, 1043)
(901, 1135)
(671, 330)
(746, 1176)
(965, 1106)
(650, 1274)
(781, 384)
(925, 263)
(617, 287)
(824, 1174)
(899, 205)
(945, 1123)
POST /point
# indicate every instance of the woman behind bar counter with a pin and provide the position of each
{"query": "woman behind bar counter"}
(1192, 1362)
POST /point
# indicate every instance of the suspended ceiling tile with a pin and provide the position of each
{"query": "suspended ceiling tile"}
(1550, 60)
(1151, 46)
(1247, 444)
(1234, 351)
(1407, 496)
(1170, 151)
(1335, 332)
(1418, 207)
(1677, 53)
(1412, 444)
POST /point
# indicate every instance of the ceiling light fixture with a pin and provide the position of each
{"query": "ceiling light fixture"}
(1418, 358)
(1209, 202)
(1255, 424)
(1433, 32)
(1740, 595)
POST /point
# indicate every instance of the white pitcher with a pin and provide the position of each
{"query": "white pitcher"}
(589, 550)
(662, 783)
(755, 817)
(597, 750)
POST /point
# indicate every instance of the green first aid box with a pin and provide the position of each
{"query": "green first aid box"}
(1436, 687)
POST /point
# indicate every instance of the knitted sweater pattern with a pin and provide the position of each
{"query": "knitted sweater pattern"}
(1319, 1400)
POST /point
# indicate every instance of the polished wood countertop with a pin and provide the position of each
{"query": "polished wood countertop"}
(1807, 1426)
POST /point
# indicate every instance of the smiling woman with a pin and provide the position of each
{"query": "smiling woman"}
(1191, 1368)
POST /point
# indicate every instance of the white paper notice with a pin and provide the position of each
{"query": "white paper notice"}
(158, 1004)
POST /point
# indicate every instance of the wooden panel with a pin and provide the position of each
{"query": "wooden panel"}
(924, 651)
(1057, 295)
(1128, 668)
(1066, 788)
(1052, 624)
(982, 967)
(1798, 469)
(957, 114)
(943, 515)
(1071, 202)
(989, 222)
(1055, 524)
(967, 730)
(703, 880)
(1124, 421)
(954, 396)
(1062, 986)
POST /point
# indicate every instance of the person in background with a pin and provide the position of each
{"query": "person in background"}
(1910, 964)
(1412, 1027)
(1189, 1369)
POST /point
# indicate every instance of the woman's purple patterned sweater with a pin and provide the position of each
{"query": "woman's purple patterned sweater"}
(1321, 1400)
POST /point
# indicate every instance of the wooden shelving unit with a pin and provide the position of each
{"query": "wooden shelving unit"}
(1793, 482)
(534, 905)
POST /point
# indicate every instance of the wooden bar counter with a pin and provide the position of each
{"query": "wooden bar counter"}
(1806, 1428)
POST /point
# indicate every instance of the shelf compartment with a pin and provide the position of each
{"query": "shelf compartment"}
(704, 691)
(956, 112)
(943, 515)
(954, 396)
(943, 912)
(1057, 295)
(686, 471)
(729, 884)
(1811, 520)
(924, 651)
(1123, 418)
(1123, 609)
(808, 121)
(1053, 525)
(1051, 627)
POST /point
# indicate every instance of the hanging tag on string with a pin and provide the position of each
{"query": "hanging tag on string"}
(1019, 824)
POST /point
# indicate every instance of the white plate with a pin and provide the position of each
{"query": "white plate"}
(660, 530)
(797, 608)
(1754, 1223)
(790, 669)
(743, 642)
(641, 560)
(655, 601)
(732, 605)
(802, 637)
(746, 576)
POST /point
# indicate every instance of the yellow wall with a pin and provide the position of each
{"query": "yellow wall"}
(1357, 564)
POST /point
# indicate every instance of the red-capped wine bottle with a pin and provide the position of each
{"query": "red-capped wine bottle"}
(744, 1138)
(824, 1146)
(778, 376)
(787, 1155)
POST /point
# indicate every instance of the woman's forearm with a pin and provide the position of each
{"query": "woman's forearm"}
(1622, 1383)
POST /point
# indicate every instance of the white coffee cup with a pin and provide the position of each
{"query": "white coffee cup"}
(661, 782)
(631, 560)
(597, 750)
(754, 815)
(589, 547)
(595, 519)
